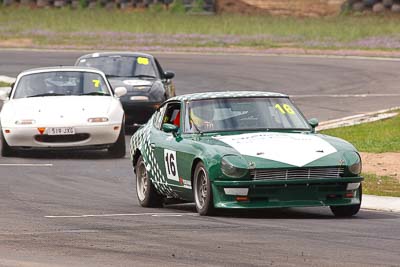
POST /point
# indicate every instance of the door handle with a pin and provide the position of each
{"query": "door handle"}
(152, 145)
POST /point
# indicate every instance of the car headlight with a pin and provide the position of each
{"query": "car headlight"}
(99, 119)
(25, 122)
(233, 166)
(356, 168)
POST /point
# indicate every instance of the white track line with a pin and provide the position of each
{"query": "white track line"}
(123, 214)
(25, 165)
(346, 96)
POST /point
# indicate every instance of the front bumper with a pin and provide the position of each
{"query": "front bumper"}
(89, 136)
(281, 194)
(138, 112)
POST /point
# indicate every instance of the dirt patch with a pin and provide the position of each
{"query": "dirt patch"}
(382, 164)
(300, 8)
(17, 42)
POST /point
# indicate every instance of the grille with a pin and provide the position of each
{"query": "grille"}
(61, 138)
(300, 173)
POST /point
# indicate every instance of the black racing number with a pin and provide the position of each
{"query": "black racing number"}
(170, 162)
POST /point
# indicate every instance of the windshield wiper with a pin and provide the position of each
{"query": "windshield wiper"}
(144, 76)
(46, 94)
(95, 93)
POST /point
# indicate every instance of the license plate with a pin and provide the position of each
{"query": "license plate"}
(60, 131)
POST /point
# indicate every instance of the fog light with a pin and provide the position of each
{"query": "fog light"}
(24, 122)
(352, 186)
(139, 98)
(242, 198)
(236, 191)
(349, 195)
(100, 119)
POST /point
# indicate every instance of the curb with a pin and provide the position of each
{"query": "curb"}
(371, 202)
(359, 119)
(7, 79)
(5, 89)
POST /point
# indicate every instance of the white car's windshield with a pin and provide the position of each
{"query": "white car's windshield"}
(56, 83)
(233, 114)
(121, 66)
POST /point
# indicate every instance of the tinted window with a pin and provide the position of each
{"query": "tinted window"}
(121, 66)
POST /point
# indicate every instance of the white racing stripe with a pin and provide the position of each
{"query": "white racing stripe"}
(26, 165)
(123, 214)
(290, 148)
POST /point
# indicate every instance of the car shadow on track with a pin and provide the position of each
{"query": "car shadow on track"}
(285, 213)
(79, 154)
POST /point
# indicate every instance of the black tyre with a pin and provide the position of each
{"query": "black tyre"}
(145, 190)
(118, 150)
(202, 191)
(347, 211)
(6, 150)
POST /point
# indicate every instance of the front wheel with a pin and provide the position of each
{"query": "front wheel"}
(348, 211)
(6, 150)
(118, 149)
(145, 190)
(203, 191)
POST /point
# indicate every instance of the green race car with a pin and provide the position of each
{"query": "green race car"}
(242, 150)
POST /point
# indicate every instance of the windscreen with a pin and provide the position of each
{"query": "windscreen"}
(121, 66)
(57, 83)
(235, 114)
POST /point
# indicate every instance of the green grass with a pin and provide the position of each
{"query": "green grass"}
(3, 84)
(376, 137)
(57, 26)
(381, 186)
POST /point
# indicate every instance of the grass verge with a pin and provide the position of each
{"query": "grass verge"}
(3, 84)
(101, 28)
(375, 137)
(382, 186)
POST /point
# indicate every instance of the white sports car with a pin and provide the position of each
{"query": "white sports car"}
(62, 108)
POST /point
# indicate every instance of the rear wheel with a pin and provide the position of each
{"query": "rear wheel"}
(203, 191)
(6, 150)
(145, 190)
(118, 149)
(347, 211)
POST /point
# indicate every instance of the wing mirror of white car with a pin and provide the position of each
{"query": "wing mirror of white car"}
(120, 91)
(3, 95)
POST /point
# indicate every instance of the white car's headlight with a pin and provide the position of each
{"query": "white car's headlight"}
(25, 122)
(99, 119)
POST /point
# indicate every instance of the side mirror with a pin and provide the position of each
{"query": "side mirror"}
(313, 123)
(120, 91)
(169, 75)
(170, 128)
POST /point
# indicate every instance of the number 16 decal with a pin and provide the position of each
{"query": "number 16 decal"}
(171, 167)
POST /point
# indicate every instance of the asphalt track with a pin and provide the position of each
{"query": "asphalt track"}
(81, 210)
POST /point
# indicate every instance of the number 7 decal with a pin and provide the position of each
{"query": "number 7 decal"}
(171, 167)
